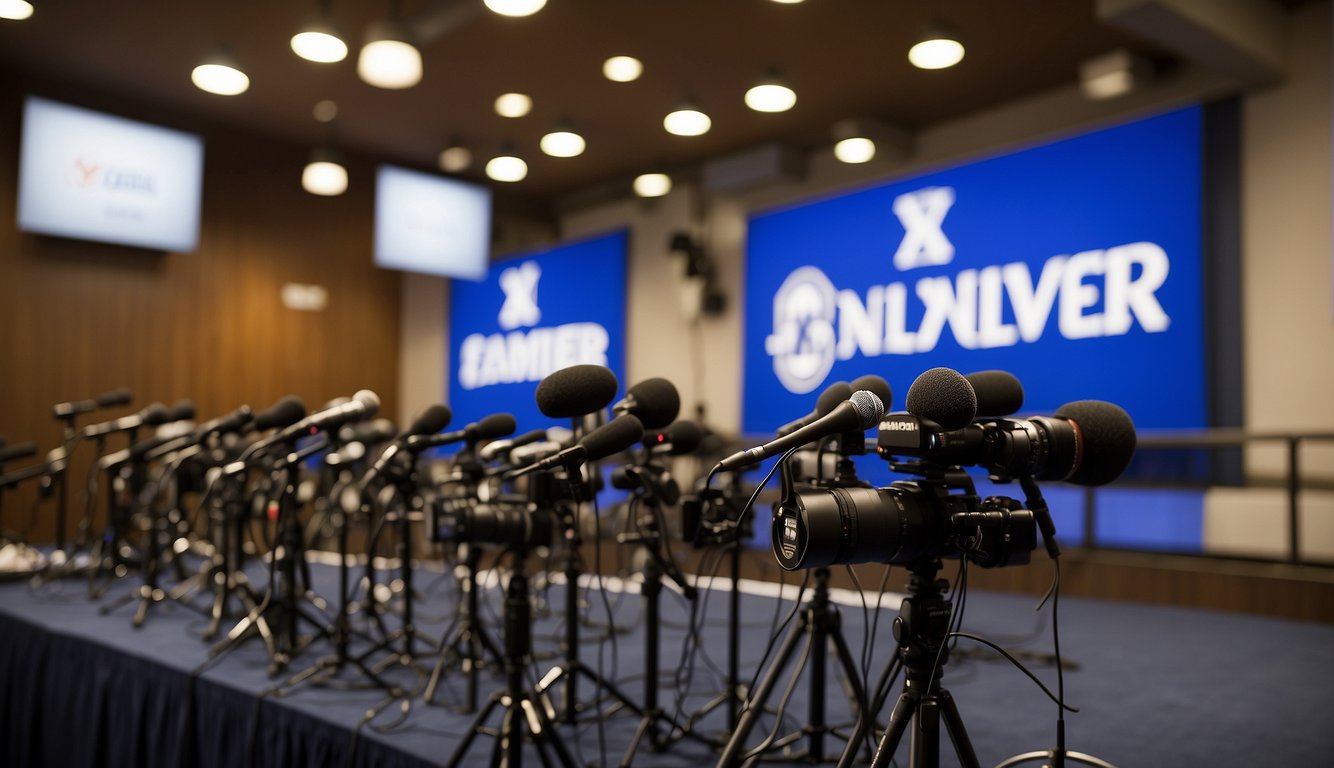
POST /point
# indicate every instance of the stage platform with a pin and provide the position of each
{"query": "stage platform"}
(1155, 686)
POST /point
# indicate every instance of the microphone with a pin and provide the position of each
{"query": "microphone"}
(493, 426)
(613, 437)
(495, 449)
(655, 402)
(151, 416)
(181, 410)
(1107, 441)
(17, 451)
(235, 421)
(431, 420)
(999, 393)
(858, 413)
(110, 399)
(828, 400)
(576, 391)
(287, 410)
(363, 405)
(679, 439)
(877, 386)
(944, 396)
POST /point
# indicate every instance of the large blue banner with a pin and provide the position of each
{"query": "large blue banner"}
(1075, 265)
(534, 314)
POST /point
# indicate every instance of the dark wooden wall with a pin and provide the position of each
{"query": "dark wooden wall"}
(80, 318)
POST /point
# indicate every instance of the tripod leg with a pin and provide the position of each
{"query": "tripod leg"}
(478, 724)
(755, 704)
(853, 678)
(963, 746)
(924, 746)
(903, 714)
(544, 732)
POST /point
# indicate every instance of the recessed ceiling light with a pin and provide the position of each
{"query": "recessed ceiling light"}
(455, 159)
(687, 121)
(324, 175)
(622, 69)
(15, 10)
(562, 143)
(787, 2)
(319, 41)
(507, 168)
(515, 7)
(854, 150)
(513, 104)
(771, 96)
(388, 59)
(652, 184)
(325, 111)
(221, 75)
(935, 49)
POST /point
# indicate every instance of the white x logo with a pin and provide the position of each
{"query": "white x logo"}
(520, 287)
(924, 243)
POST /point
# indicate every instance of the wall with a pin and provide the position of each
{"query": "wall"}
(79, 318)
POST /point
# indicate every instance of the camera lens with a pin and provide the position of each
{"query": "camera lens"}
(827, 526)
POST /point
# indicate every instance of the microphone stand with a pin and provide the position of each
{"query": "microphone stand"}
(820, 625)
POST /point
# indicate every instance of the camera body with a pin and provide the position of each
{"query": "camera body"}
(514, 522)
(937, 515)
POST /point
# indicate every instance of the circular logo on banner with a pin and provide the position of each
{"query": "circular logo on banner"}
(802, 344)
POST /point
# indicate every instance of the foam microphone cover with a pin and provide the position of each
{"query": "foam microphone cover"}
(831, 397)
(154, 414)
(877, 386)
(120, 396)
(684, 436)
(613, 437)
(1108, 440)
(182, 410)
(493, 426)
(656, 402)
(576, 391)
(288, 410)
(428, 422)
(999, 393)
(944, 396)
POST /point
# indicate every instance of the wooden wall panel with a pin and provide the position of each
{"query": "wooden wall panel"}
(79, 318)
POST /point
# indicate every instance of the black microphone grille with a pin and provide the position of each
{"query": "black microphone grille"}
(944, 396)
(684, 435)
(999, 393)
(288, 410)
(831, 397)
(576, 391)
(877, 386)
(433, 419)
(869, 408)
(657, 402)
(494, 426)
(1108, 435)
(614, 436)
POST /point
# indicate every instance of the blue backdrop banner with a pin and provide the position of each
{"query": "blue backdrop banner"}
(531, 315)
(1075, 265)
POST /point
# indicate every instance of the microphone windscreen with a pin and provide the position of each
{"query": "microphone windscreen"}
(877, 386)
(869, 408)
(831, 397)
(576, 391)
(657, 402)
(120, 396)
(685, 436)
(182, 410)
(1108, 436)
(613, 437)
(998, 393)
(944, 396)
(288, 410)
(154, 414)
(370, 432)
(493, 426)
(428, 422)
(369, 400)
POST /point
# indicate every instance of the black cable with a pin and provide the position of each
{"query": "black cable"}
(1056, 699)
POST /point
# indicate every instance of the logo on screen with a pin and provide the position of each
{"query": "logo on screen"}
(1094, 293)
(518, 355)
(86, 173)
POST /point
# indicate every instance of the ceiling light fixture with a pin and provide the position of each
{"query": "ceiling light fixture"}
(318, 39)
(861, 140)
(652, 184)
(1114, 74)
(15, 10)
(771, 95)
(388, 59)
(220, 74)
(622, 69)
(515, 7)
(935, 49)
(513, 104)
(507, 167)
(687, 121)
(562, 142)
(455, 159)
(324, 175)
(787, 2)
(855, 150)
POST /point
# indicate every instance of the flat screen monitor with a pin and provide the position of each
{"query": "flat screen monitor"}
(431, 224)
(94, 176)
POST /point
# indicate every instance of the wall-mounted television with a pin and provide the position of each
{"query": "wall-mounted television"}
(94, 176)
(431, 224)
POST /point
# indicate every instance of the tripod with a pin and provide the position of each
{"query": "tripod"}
(469, 639)
(524, 718)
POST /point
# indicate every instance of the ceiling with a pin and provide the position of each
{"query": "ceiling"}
(844, 58)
